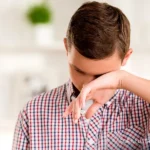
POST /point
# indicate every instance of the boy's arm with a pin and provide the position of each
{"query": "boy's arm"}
(137, 85)
(114, 80)
(21, 134)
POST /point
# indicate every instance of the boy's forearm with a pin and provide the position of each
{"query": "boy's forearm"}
(137, 85)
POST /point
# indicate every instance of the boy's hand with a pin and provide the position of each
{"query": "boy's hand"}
(99, 90)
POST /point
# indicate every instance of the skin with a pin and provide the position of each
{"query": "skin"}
(83, 71)
(113, 80)
(132, 82)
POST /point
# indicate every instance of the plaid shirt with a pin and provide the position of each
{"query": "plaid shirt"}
(121, 124)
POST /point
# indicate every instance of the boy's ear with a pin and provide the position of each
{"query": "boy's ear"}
(127, 56)
(66, 45)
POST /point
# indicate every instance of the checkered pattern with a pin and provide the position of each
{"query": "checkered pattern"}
(121, 124)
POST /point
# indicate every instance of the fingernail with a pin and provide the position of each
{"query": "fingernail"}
(83, 105)
(76, 116)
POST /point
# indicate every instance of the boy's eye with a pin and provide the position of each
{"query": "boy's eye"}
(79, 71)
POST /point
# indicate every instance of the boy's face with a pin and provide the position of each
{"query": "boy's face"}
(83, 70)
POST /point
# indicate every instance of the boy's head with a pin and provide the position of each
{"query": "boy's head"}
(97, 42)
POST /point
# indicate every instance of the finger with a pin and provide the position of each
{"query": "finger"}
(92, 110)
(83, 95)
(89, 96)
(76, 111)
(68, 110)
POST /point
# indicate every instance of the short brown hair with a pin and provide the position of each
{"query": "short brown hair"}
(97, 29)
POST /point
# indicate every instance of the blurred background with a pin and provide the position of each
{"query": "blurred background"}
(32, 55)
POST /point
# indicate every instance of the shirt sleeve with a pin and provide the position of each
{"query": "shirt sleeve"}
(21, 134)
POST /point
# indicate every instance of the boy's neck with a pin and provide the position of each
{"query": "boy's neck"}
(76, 91)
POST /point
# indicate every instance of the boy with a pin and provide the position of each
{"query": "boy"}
(97, 43)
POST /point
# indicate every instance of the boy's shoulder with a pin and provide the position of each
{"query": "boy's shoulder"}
(54, 96)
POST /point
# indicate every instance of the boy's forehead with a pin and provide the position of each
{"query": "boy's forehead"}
(91, 66)
(88, 72)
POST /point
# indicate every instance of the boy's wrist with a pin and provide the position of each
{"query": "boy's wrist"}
(123, 79)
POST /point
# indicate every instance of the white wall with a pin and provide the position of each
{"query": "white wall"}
(16, 30)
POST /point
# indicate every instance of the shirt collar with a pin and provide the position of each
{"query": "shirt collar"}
(70, 92)
(71, 96)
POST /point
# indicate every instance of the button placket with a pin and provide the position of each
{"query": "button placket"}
(93, 130)
(83, 124)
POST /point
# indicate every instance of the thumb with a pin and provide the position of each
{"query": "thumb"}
(92, 109)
